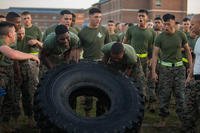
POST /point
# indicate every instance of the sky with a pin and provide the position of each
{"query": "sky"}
(193, 5)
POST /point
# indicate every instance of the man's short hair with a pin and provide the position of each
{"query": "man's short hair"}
(186, 19)
(11, 16)
(4, 27)
(63, 12)
(94, 10)
(25, 13)
(111, 21)
(2, 16)
(168, 17)
(117, 48)
(158, 18)
(143, 11)
(61, 29)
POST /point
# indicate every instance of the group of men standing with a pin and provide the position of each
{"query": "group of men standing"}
(154, 57)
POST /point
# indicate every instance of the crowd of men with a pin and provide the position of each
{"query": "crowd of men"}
(161, 56)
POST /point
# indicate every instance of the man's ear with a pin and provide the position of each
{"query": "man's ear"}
(9, 34)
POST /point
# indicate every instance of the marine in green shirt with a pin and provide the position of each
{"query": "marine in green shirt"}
(59, 46)
(94, 36)
(32, 31)
(128, 57)
(139, 36)
(65, 19)
(123, 58)
(111, 30)
(171, 69)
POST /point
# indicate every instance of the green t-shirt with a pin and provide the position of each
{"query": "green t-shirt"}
(4, 61)
(121, 36)
(34, 32)
(141, 39)
(52, 29)
(114, 37)
(57, 51)
(130, 57)
(23, 46)
(192, 42)
(170, 46)
(92, 40)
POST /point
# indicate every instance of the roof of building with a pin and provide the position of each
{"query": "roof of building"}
(40, 10)
(103, 1)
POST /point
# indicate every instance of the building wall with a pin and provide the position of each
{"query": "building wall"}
(43, 18)
(126, 10)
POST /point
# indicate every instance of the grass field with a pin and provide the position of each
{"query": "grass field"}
(148, 126)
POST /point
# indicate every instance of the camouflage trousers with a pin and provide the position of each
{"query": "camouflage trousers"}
(7, 102)
(171, 81)
(29, 72)
(139, 75)
(148, 84)
(191, 107)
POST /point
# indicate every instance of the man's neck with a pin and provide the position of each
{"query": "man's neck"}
(111, 32)
(142, 26)
(29, 26)
(93, 26)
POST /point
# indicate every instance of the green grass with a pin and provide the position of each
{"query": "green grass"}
(150, 120)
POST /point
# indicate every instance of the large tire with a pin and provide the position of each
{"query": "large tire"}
(56, 90)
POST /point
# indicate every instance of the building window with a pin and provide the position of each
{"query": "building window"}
(158, 2)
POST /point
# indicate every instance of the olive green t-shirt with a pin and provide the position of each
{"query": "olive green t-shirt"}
(170, 46)
(121, 36)
(92, 40)
(34, 32)
(191, 43)
(130, 56)
(114, 37)
(4, 61)
(141, 39)
(52, 29)
(23, 46)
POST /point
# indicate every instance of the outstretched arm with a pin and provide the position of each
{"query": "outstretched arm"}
(17, 55)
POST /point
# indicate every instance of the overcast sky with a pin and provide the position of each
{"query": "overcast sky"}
(193, 5)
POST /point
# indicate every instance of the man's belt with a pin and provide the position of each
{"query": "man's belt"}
(169, 64)
(142, 55)
(34, 53)
(185, 60)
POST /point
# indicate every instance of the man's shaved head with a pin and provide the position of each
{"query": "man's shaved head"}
(195, 24)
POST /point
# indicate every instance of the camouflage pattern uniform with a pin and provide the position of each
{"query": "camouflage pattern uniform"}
(192, 107)
(29, 72)
(171, 72)
(171, 80)
(8, 105)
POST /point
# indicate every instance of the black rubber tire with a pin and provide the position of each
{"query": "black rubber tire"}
(53, 112)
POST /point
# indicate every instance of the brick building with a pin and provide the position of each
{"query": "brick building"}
(126, 10)
(44, 17)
